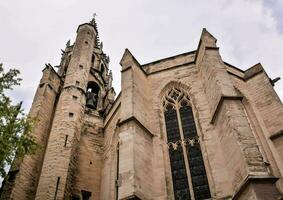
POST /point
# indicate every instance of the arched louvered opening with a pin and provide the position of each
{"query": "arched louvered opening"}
(92, 58)
(102, 69)
(92, 95)
(187, 166)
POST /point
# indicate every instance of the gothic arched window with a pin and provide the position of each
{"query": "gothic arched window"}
(186, 161)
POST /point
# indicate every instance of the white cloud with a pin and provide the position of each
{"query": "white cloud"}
(33, 32)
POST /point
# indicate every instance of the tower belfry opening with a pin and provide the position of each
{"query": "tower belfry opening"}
(92, 95)
(102, 69)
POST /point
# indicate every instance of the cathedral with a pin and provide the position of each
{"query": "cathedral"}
(186, 127)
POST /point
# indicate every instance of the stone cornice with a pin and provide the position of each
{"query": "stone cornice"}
(88, 25)
(212, 48)
(170, 68)
(131, 197)
(251, 178)
(277, 135)
(247, 74)
(126, 69)
(136, 121)
(169, 58)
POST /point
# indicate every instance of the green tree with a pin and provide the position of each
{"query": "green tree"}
(15, 126)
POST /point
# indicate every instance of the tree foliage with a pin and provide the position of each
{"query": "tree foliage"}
(15, 126)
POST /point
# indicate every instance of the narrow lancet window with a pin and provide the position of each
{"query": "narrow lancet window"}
(177, 163)
(196, 164)
(102, 69)
(186, 161)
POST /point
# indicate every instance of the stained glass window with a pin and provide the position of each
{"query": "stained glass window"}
(177, 163)
(183, 144)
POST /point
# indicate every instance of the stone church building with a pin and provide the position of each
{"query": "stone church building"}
(190, 126)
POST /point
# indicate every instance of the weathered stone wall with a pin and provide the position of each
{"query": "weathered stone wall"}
(271, 111)
(134, 119)
(61, 146)
(241, 151)
(234, 71)
(267, 102)
(259, 96)
(89, 159)
(229, 117)
(25, 184)
(109, 173)
(186, 77)
(142, 154)
(61, 153)
(109, 170)
(215, 78)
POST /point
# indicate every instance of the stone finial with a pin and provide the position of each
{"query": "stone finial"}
(68, 43)
(110, 79)
(93, 22)
(208, 38)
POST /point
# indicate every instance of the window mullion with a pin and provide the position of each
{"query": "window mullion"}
(183, 143)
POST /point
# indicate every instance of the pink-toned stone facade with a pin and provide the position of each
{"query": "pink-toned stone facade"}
(98, 148)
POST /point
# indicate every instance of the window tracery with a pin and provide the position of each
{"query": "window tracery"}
(186, 161)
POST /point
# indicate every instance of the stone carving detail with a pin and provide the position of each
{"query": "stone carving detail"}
(185, 142)
(175, 98)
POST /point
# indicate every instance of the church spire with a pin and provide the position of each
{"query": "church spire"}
(93, 22)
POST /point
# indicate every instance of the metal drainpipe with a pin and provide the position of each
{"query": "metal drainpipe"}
(117, 172)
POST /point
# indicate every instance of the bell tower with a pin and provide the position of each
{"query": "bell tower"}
(99, 91)
(86, 95)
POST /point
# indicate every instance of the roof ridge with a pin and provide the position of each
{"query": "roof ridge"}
(167, 58)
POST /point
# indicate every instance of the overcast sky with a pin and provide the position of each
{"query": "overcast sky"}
(33, 32)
